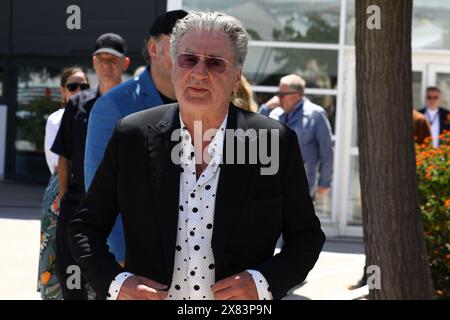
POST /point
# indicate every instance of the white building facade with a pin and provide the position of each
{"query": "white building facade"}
(315, 38)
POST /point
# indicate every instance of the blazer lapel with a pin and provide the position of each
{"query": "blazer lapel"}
(164, 179)
(234, 181)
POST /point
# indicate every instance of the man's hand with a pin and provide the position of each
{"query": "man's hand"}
(273, 103)
(238, 287)
(140, 288)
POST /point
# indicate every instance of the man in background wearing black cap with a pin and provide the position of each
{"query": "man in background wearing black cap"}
(151, 88)
(109, 63)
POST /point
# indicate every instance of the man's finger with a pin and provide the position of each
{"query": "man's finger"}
(148, 293)
(222, 284)
(159, 295)
(225, 294)
(153, 284)
(236, 298)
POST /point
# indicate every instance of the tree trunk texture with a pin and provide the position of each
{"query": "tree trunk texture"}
(393, 229)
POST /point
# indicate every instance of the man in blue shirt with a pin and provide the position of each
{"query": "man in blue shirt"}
(312, 127)
(151, 88)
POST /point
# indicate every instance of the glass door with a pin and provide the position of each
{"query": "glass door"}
(37, 96)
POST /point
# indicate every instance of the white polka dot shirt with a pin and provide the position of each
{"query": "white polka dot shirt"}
(194, 267)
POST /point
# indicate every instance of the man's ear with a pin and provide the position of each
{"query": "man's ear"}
(152, 48)
(94, 63)
(126, 63)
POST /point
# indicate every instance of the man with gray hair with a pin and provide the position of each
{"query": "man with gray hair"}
(310, 123)
(198, 227)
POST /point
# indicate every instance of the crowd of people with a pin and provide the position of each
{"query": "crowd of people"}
(140, 226)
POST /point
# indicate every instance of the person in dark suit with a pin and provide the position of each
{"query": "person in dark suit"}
(109, 62)
(438, 117)
(200, 220)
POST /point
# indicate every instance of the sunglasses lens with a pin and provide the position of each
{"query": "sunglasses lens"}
(282, 94)
(432, 97)
(215, 64)
(75, 85)
(187, 61)
(72, 86)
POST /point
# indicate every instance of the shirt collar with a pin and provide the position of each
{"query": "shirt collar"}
(298, 107)
(215, 147)
(432, 112)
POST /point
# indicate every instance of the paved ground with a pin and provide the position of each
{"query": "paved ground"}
(19, 240)
(340, 264)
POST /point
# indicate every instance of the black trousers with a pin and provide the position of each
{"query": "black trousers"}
(65, 265)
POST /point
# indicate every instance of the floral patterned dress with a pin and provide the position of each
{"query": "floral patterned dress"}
(48, 284)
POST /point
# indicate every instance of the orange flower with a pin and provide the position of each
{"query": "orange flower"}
(447, 203)
(45, 277)
(430, 168)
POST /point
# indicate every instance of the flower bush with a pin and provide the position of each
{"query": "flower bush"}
(433, 169)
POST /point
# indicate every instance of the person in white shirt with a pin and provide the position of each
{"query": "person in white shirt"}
(437, 117)
(51, 129)
(73, 80)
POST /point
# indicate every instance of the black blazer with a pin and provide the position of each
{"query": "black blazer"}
(443, 119)
(138, 179)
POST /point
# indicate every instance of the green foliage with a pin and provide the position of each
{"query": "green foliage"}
(31, 122)
(320, 31)
(433, 169)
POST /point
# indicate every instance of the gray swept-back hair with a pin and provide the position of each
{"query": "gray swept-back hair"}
(212, 22)
(295, 82)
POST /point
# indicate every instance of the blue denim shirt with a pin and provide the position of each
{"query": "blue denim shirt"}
(310, 123)
(135, 94)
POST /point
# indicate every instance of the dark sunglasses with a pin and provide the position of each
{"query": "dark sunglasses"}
(432, 97)
(75, 85)
(189, 60)
(282, 94)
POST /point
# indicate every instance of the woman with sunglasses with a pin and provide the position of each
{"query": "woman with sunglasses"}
(73, 80)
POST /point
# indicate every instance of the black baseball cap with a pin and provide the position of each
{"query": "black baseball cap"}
(110, 43)
(165, 23)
